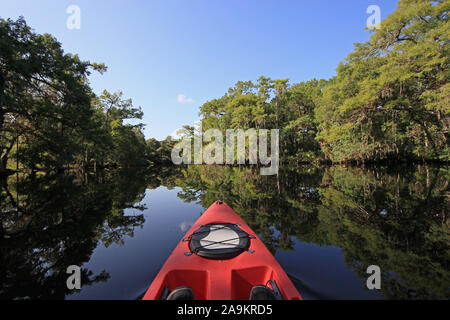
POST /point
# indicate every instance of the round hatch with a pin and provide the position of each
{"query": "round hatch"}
(219, 241)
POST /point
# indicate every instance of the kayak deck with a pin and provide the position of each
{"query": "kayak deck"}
(231, 279)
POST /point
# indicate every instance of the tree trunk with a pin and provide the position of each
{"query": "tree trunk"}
(2, 117)
(5, 157)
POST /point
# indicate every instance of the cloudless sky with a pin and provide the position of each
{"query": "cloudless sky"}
(159, 49)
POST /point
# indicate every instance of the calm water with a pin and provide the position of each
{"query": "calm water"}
(324, 225)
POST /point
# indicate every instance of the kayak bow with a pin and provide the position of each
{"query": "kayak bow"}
(221, 258)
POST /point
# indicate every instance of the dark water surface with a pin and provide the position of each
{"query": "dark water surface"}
(325, 226)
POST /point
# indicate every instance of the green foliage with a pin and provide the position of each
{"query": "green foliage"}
(270, 104)
(49, 117)
(390, 98)
(126, 144)
(159, 152)
(388, 101)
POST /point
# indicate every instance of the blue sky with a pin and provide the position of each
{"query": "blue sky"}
(171, 56)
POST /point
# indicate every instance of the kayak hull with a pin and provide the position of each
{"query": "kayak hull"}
(230, 279)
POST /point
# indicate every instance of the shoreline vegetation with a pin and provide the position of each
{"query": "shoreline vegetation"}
(388, 104)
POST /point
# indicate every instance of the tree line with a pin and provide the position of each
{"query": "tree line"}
(388, 101)
(50, 118)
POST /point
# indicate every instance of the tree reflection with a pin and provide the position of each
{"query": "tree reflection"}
(396, 219)
(51, 221)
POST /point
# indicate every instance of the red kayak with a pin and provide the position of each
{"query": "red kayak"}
(221, 258)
